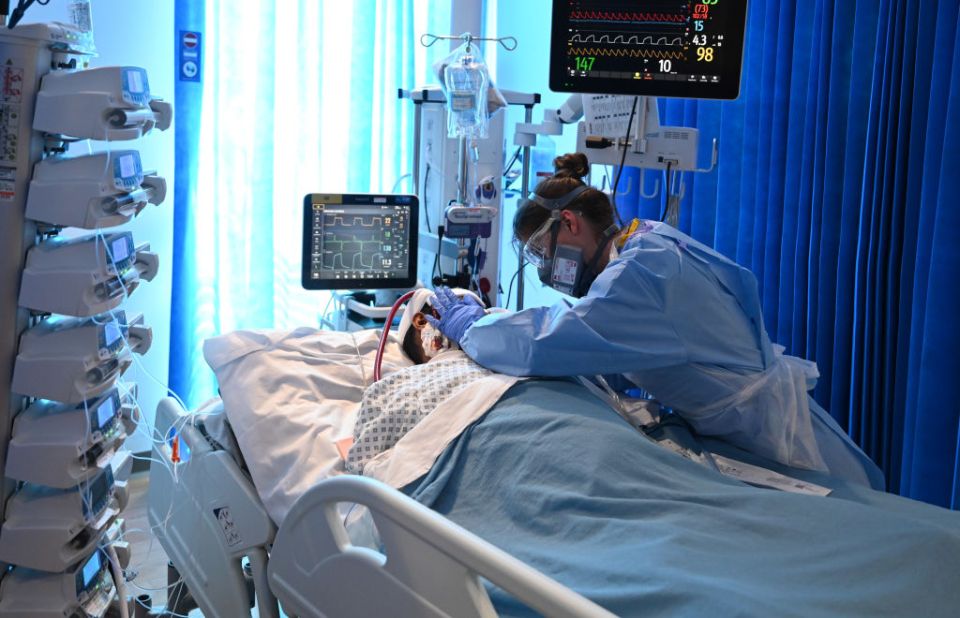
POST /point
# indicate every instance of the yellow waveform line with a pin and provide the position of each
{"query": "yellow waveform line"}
(632, 53)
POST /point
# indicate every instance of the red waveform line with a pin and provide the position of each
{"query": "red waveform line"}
(628, 16)
(623, 53)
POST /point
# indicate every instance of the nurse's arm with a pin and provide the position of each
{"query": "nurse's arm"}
(619, 326)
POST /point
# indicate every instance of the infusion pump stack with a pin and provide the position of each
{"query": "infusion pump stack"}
(66, 341)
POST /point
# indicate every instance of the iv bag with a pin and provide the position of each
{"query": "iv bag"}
(466, 84)
(81, 16)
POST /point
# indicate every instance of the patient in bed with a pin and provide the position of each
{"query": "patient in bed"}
(392, 407)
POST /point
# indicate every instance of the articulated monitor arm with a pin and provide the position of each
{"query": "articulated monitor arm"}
(553, 120)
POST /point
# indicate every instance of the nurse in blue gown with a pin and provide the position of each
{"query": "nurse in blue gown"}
(659, 310)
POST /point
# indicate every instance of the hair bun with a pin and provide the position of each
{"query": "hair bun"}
(573, 165)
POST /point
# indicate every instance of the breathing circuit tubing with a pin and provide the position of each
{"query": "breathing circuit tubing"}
(386, 333)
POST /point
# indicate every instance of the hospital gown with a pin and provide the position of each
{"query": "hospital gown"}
(683, 322)
(392, 407)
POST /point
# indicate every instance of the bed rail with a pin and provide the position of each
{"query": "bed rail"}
(207, 516)
(430, 566)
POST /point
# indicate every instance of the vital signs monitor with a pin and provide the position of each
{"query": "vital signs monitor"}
(670, 48)
(359, 241)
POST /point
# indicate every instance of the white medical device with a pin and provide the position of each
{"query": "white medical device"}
(63, 446)
(86, 590)
(85, 276)
(459, 214)
(607, 131)
(603, 134)
(106, 103)
(51, 529)
(92, 191)
(86, 356)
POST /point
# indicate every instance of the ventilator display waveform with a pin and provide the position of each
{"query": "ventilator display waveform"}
(626, 53)
(625, 16)
(622, 39)
(658, 40)
(368, 243)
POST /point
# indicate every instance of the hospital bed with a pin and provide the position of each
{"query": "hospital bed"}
(209, 519)
(587, 508)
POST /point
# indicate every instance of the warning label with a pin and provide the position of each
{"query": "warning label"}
(230, 532)
(8, 188)
(10, 102)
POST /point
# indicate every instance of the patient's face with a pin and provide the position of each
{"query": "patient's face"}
(424, 341)
(432, 341)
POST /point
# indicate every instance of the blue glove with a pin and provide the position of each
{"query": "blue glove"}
(456, 314)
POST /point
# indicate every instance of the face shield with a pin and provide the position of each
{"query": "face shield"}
(561, 267)
(538, 250)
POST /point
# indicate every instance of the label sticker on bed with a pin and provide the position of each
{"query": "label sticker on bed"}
(755, 475)
(230, 532)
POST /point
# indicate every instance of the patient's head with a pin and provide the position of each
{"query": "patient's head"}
(420, 340)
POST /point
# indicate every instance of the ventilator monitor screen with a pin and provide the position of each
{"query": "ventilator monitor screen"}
(355, 241)
(669, 48)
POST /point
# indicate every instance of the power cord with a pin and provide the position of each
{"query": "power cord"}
(623, 158)
(513, 280)
(437, 267)
(426, 192)
(22, 6)
(666, 195)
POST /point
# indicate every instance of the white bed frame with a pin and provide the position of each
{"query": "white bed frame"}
(208, 517)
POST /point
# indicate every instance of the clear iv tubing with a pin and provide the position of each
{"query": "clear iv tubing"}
(386, 333)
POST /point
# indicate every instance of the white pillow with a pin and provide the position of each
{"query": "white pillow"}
(289, 395)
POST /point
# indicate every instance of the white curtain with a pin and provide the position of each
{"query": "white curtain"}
(297, 97)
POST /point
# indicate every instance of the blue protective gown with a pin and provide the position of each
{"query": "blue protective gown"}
(681, 321)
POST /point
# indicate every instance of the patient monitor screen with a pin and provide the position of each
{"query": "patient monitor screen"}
(671, 48)
(354, 241)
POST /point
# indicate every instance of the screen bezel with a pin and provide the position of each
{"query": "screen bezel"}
(360, 200)
(728, 88)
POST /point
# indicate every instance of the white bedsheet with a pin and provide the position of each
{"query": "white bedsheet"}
(289, 395)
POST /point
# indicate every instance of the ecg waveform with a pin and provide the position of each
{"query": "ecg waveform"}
(628, 16)
(626, 53)
(606, 39)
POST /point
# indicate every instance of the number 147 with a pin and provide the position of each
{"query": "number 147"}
(584, 63)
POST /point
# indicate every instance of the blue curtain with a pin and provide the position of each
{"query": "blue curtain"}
(188, 101)
(295, 97)
(834, 187)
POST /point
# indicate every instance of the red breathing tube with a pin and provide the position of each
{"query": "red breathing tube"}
(386, 333)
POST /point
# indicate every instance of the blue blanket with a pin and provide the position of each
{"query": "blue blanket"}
(557, 479)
